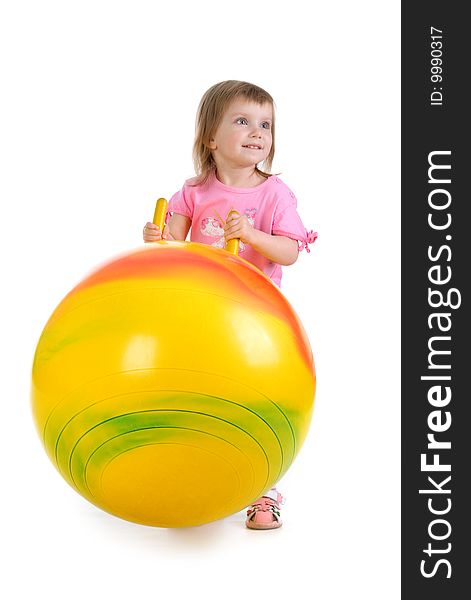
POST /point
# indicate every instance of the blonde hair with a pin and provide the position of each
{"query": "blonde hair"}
(211, 109)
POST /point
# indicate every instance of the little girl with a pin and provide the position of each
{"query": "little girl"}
(233, 153)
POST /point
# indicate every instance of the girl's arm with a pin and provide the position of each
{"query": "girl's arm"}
(277, 248)
(177, 228)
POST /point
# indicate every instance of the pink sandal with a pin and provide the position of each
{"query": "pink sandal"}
(264, 513)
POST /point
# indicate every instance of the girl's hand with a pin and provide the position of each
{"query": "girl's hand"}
(152, 233)
(238, 226)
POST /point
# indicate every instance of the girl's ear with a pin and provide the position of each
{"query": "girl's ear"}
(212, 144)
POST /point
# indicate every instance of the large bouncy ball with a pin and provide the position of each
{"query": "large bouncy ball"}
(174, 385)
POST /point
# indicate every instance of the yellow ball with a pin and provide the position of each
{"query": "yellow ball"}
(174, 385)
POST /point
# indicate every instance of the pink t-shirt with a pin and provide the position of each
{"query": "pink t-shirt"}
(270, 207)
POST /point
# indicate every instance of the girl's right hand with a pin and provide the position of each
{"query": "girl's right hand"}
(152, 233)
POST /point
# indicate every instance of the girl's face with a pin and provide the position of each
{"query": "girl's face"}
(243, 138)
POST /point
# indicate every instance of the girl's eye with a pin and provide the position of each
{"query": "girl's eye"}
(242, 121)
(266, 125)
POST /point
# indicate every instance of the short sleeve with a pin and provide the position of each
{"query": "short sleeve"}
(287, 222)
(181, 203)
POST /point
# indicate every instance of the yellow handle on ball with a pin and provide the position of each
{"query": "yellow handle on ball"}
(232, 246)
(160, 213)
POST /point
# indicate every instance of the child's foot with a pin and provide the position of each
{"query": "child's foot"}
(264, 513)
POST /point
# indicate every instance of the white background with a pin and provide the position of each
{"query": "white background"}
(97, 118)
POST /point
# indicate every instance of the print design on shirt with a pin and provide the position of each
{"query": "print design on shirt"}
(212, 227)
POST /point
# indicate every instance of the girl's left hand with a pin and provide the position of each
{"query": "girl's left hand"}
(238, 226)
